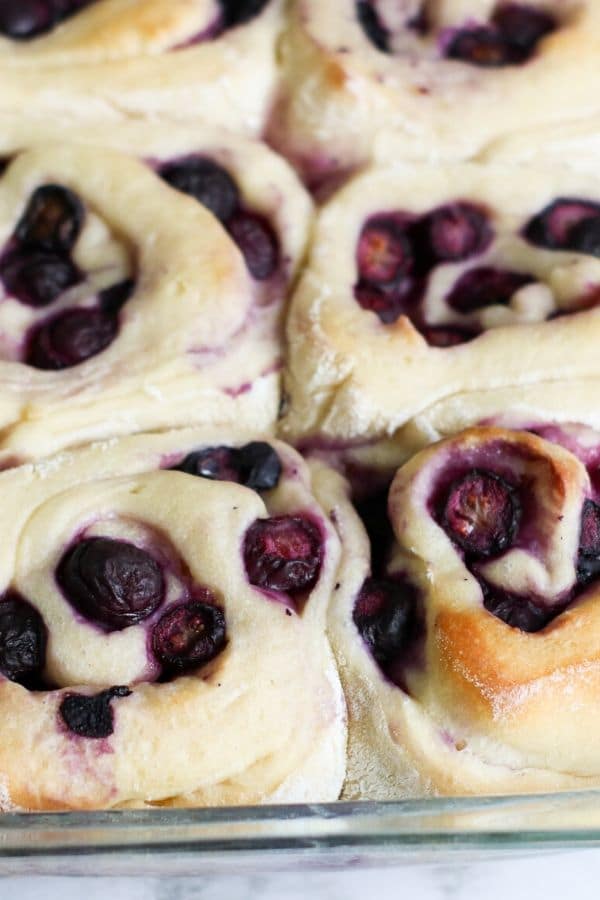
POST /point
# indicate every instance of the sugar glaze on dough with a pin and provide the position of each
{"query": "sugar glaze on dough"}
(195, 343)
(494, 710)
(275, 683)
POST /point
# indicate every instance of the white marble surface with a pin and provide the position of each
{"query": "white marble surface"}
(555, 876)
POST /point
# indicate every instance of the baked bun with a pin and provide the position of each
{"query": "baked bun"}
(142, 619)
(437, 297)
(467, 647)
(424, 81)
(127, 306)
(109, 60)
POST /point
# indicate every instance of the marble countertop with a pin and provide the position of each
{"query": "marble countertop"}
(556, 875)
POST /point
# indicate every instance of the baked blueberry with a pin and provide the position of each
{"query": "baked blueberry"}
(390, 302)
(38, 277)
(256, 465)
(518, 612)
(447, 335)
(522, 27)
(588, 559)
(384, 253)
(585, 237)
(70, 338)
(190, 635)
(24, 19)
(209, 184)
(52, 220)
(283, 553)
(384, 614)
(238, 12)
(111, 582)
(561, 225)
(486, 286)
(91, 716)
(113, 298)
(482, 46)
(481, 513)
(455, 232)
(371, 25)
(257, 241)
(23, 639)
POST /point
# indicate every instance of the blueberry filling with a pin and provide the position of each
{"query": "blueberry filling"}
(485, 286)
(52, 220)
(255, 465)
(91, 717)
(509, 39)
(70, 338)
(518, 612)
(397, 252)
(211, 185)
(205, 181)
(23, 639)
(189, 636)
(283, 553)
(588, 559)
(257, 241)
(239, 12)
(111, 582)
(481, 513)
(371, 25)
(384, 615)
(38, 277)
(23, 20)
(567, 224)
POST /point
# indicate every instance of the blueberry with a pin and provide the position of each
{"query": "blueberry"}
(52, 220)
(456, 231)
(257, 242)
(113, 298)
(188, 636)
(481, 46)
(37, 277)
(283, 553)
(481, 513)
(561, 225)
(260, 466)
(522, 27)
(255, 465)
(585, 237)
(389, 302)
(217, 463)
(111, 582)
(91, 717)
(209, 184)
(239, 12)
(372, 27)
(384, 253)
(588, 559)
(384, 615)
(447, 335)
(23, 639)
(70, 338)
(485, 286)
(25, 19)
(518, 612)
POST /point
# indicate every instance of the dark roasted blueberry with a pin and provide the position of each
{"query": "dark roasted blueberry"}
(257, 241)
(70, 338)
(486, 286)
(209, 184)
(216, 463)
(38, 277)
(456, 232)
(283, 554)
(588, 559)
(384, 615)
(91, 717)
(481, 46)
(518, 612)
(23, 640)
(52, 220)
(113, 298)
(238, 12)
(24, 19)
(555, 226)
(481, 513)
(372, 27)
(111, 582)
(384, 253)
(522, 27)
(390, 301)
(585, 237)
(260, 466)
(447, 335)
(190, 635)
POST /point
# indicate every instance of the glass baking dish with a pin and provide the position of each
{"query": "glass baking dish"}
(256, 839)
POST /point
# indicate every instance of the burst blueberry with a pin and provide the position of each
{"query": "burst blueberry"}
(455, 232)
(257, 241)
(486, 286)
(481, 513)
(283, 553)
(384, 253)
(562, 224)
(52, 220)
(70, 338)
(23, 639)
(191, 635)
(91, 716)
(518, 612)
(588, 558)
(38, 277)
